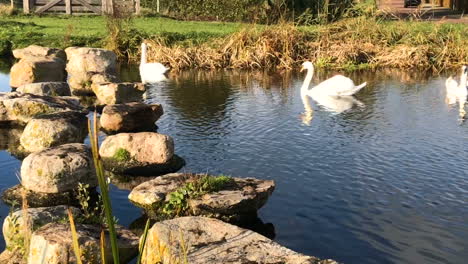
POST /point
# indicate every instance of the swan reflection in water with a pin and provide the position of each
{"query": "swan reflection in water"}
(333, 104)
(461, 100)
(457, 92)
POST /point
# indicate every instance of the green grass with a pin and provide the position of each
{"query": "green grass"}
(62, 31)
(352, 43)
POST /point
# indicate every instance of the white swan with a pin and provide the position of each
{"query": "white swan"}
(150, 72)
(458, 91)
(338, 85)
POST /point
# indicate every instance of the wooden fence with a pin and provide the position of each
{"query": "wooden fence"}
(76, 7)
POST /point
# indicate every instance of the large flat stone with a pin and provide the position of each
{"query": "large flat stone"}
(235, 202)
(20, 108)
(200, 240)
(55, 240)
(46, 88)
(14, 196)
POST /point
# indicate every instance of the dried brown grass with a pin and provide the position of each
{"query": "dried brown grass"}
(345, 44)
(7, 10)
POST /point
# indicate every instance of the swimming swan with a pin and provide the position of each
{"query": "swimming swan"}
(455, 89)
(338, 85)
(150, 72)
(457, 92)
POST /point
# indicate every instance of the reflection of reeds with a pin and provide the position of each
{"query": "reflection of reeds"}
(349, 44)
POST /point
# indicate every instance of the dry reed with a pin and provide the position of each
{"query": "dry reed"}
(352, 42)
(7, 10)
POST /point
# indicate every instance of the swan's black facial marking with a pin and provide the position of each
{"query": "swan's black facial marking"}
(466, 69)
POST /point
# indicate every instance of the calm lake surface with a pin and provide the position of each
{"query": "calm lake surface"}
(383, 182)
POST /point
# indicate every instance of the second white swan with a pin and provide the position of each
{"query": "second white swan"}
(458, 89)
(150, 72)
(338, 85)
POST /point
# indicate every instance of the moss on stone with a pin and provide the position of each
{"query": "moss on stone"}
(122, 155)
(178, 202)
(31, 109)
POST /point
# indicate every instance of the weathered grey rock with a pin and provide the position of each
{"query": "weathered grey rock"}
(56, 241)
(20, 108)
(84, 59)
(236, 202)
(119, 93)
(37, 69)
(58, 169)
(208, 241)
(131, 117)
(130, 181)
(82, 84)
(14, 228)
(14, 196)
(136, 152)
(55, 129)
(88, 66)
(46, 88)
(39, 51)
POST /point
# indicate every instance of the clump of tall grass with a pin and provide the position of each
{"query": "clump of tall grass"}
(349, 43)
(122, 36)
(277, 46)
(7, 9)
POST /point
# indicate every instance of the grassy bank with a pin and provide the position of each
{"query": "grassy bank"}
(351, 43)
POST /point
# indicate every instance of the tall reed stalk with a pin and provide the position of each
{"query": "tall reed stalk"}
(104, 187)
(76, 245)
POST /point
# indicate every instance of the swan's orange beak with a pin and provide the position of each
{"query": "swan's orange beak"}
(302, 69)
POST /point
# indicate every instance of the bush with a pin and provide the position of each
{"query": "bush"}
(260, 11)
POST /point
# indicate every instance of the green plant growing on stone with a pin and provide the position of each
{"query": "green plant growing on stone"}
(178, 199)
(16, 241)
(122, 155)
(91, 214)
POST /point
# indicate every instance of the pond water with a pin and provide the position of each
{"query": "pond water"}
(382, 182)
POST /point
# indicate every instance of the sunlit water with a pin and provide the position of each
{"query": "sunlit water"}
(383, 182)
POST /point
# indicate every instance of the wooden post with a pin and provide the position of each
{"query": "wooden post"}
(137, 7)
(110, 7)
(157, 6)
(68, 7)
(26, 8)
(104, 6)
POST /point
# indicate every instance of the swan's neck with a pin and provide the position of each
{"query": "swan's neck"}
(143, 55)
(463, 80)
(307, 80)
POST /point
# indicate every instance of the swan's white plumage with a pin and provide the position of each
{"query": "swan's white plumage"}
(338, 85)
(455, 89)
(150, 72)
(458, 92)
